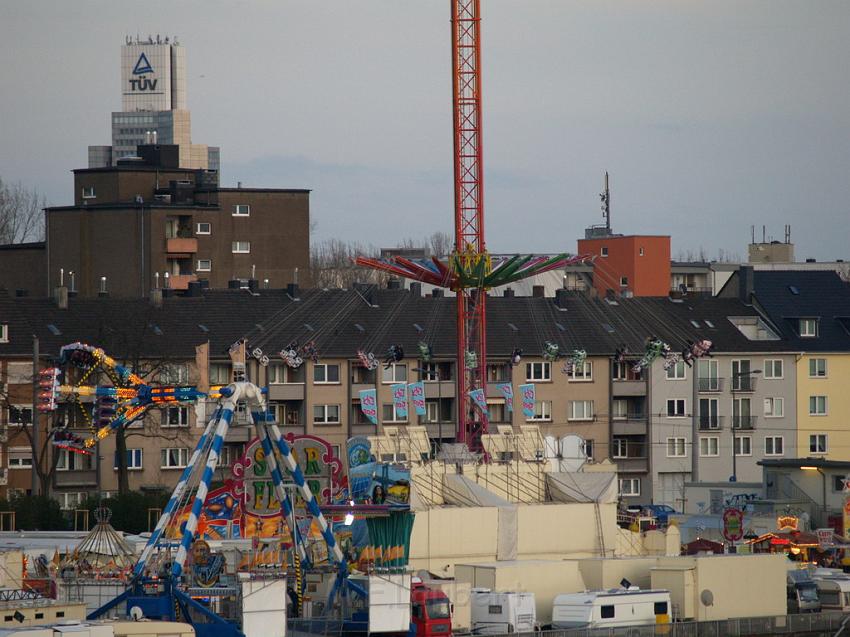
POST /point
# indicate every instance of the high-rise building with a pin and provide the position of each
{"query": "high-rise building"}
(153, 106)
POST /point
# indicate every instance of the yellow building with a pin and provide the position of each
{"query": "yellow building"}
(823, 405)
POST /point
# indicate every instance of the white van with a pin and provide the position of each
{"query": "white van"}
(611, 609)
(498, 613)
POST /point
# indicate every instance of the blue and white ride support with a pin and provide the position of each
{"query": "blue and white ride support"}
(279, 487)
(309, 499)
(176, 497)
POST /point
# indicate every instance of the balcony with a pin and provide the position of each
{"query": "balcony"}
(710, 423)
(709, 385)
(181, 281)
(743, 383)
(628, 388)
(181, 246)
(743, 422)
(629, 425)
(86, 478)
(443, 389)
(289, 391)
(631, 464)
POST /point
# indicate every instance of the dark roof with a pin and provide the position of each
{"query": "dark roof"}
(786, 296)
(32, 245)
(796, 463)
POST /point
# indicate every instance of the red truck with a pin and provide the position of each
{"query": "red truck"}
(430, 612)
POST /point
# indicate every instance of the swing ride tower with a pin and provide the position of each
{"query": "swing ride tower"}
(470, 270)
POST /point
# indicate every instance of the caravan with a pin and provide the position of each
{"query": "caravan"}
(611, 609)
(498, 613)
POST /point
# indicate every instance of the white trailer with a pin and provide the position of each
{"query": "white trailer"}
(833, 591)
(611, 609)
(498, 613)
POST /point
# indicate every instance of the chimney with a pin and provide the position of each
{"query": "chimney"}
(156, 297)
(538, 291)
(166, 280)
(393, 284)
(416, 289)
(103, 292)
(205, 284)
(509, 293)
(265, 284)
(746, 283)
(253, 285)
(194, 289)
(292, 290)
(561, 297)
(156, 280)
(60, 296)
(72, 290)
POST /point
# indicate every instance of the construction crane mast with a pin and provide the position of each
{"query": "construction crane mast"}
(469, 212)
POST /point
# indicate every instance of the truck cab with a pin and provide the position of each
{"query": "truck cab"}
(802, 593)
(430, 612)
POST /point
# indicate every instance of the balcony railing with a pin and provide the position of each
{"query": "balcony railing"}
(708, 423)
(743, 422)
(635, 417)
(181, 246)
(710, 384)
(743, 383)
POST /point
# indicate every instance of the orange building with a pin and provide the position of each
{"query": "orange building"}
(635, 264)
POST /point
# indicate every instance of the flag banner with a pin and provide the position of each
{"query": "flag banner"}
(417, 395)
(508, 392)
(527, 393)
(477, 396)
(400, 400)
(369, 404)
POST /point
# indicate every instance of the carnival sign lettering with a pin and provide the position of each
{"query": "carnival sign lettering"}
(417, 395)
(369, 404)
(400, 400)
(508, 392)
(528, 398)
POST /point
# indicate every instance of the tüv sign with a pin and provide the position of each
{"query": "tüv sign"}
(143, 67)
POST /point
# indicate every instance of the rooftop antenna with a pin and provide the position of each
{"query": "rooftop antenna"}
(764, 234)
(605, 197)
(787, 233)
(753, 230)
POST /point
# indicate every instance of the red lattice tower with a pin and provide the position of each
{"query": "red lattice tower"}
(469, 210)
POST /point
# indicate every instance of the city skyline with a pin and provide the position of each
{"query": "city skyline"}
(710, 117)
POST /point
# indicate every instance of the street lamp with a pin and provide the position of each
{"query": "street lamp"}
(436, 372)
(734, 476)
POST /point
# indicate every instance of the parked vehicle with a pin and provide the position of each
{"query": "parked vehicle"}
(802, 593)
(498, 613)
(611, 609)
(661, 512)
(833, 591)
(430, 611)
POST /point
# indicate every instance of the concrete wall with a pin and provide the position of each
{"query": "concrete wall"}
(741, 585)
(599, 574)
(24, 267)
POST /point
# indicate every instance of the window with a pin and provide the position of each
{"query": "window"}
(676, 448)
(640, 252)
(496, 412)
(608, 610)
(389, 414)
(174, 374)
(619, 409)
(203, 228)
(581, 410)
(134, 460)
(204, 265)
(279, 373)
(326, 414)
(677, 372)
(817, 368)
(498, 373)
(818, 443)
(774, 407)
(773, 368)
(173, 458)
(742, 377)
(583, 374)
(325, 374)
(624, 281)
(4, 333)
(709, 446)
(176, 417)
(628, 486)
(241, 210)
(70, 461)
(742, 415)
(88, 192)
(603, 251)
(20, 458)
(774, 445)
(71, 500)
(808, 327)
(494, 609)
(542, 410)
(660, 608)
(620, 448)
(430, 373)
(587, 449)
(241, 247)
(538, 372)
(838, 483)
(20, 415)
(708, 413)
(743, 445)
(220, 374)
(395, 373)
(817, 405)
(623, 371)
(676, 408)
(709, 375)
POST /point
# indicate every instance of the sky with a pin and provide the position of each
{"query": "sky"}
(710, 116)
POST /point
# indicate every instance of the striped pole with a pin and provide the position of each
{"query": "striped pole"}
(279, 488)
(225, 415)
(312, 505)
(176, 496)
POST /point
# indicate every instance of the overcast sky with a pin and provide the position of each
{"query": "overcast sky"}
(711, 116)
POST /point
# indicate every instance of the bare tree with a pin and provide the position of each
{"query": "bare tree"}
(20, 214)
